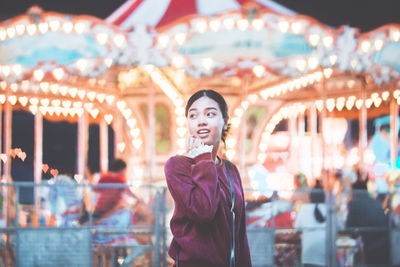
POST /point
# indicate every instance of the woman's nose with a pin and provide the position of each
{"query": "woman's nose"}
(202, 120)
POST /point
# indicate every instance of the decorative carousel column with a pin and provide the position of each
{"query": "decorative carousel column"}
(362, 117)
(394, 130)
(292, 127)
(312, 126)
(103, 146)
(7, 165)
(82, 144)
(118, 136)
(151, 136)
(301, 128)
(38, 156)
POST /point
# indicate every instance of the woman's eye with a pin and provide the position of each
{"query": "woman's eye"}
(210, 114)
(192, 116)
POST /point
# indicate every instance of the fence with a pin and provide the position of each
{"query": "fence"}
(283, 229)
(83, 225)
(57, 232)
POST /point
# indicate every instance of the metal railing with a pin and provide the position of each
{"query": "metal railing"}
(49, 233)
(275, 230)
(52, 232)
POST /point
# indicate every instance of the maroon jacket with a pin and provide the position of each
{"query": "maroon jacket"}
(201, 224)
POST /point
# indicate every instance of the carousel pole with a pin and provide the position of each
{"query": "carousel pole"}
(7, 165)
(362, 145)
(82, 144)
(292, 135)
(394, 130)
(330, 200)
(151, 135)
(38, 160)
(103, 146)
(312, 122)
(117, 134)
(301, 127)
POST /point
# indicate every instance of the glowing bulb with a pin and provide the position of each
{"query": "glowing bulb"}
(180, 38)
(215, 25)
(314, 39)
(58, 73)
(313, 62)
(43, 27)
(38, 74)
(67, 27)
(119, 40)
(108, 118)
(81, 64)
(102, 38)
(328, 41)
(207, 63)
(283, 26)
(79, 27)
(301, 64)
(328, 72)
(163, 40)
(258, 24)
(259, 70)
(365, 45)
(178, 61)
(378, 44)
(201, 26)
(54, 25)
(243, 24)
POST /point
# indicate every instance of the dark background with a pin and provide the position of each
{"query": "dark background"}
(364, 14)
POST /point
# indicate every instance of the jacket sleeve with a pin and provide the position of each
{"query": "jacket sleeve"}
(194, 186)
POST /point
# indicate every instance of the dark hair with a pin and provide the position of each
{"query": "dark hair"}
(217, 97)
(359, 185)
(117, 165)
(317, 195)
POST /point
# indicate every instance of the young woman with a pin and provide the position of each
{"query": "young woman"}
(206, 231)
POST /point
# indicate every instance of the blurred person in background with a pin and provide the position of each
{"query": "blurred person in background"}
(366, 212)
(311, 221)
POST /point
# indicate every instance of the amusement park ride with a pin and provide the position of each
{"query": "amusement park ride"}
(134, 72)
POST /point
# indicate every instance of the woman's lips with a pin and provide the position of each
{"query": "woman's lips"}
(203, 133)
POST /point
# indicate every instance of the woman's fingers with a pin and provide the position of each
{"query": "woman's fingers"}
(193, 142)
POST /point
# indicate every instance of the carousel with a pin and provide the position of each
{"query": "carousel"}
(292, 84)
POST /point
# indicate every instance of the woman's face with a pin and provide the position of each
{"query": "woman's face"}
(205, 121)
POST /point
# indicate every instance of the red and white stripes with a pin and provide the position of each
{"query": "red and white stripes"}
(158, 13)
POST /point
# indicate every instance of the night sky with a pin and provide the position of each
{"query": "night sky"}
(364, 14)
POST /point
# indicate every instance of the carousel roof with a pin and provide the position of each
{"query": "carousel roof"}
(251, 51)
(159, 14)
